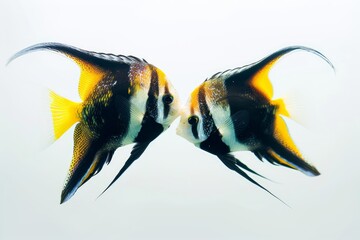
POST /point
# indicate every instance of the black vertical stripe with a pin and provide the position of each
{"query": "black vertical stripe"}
(195, 131)
(243, 98)
(166, 106)
(150, 129)
(108, 117)
(213, 144)
(208, 121)
(153, 94)
(194, 126)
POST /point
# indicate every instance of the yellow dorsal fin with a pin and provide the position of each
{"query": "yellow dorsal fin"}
(64, 114)
(89, 78)
(261, 80)
(161, 77)
(91, 71)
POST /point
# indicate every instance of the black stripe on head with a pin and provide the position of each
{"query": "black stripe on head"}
(195, 131)
(166, 106)
(153, 94)
(193, 123)
(213, 144)
(208, 121)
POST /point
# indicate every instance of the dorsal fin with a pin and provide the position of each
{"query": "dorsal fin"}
(93, 65)
(257, 74)
(260, 70)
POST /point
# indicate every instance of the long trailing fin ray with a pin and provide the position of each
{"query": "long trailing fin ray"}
(102, 60)
(233, 159)
(64, 114)
(136, 152)
(233, 167)
(258, 155)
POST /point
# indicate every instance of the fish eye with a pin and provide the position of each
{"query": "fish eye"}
(193, 120)
(168, 99)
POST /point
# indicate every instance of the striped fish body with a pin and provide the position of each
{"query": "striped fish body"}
(231, 121)
(121, 106)
(234, 111)
(124, 100)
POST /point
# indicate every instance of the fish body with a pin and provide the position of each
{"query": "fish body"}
(124, 100)
(234, 111)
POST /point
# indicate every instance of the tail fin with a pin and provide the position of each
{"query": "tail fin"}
(65, 113)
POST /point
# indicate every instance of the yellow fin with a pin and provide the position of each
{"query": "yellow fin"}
(64, 114)
(284, 147)
(281, 108)
(261, 80)
(81, 156)
(279, 160)
(90, 172)
(89, 78)
(281, 134)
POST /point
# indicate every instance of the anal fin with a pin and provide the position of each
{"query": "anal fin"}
(98, 164)
(283, 150)
(83, 162)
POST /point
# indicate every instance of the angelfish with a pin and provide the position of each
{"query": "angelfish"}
(124, 100)
(234, 111)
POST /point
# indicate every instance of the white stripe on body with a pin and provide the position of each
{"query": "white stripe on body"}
(220, 111)
(140, 76)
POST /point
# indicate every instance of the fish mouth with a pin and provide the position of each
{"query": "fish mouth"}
(180, 131)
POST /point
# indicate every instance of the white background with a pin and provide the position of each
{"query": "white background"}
(176, 191)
